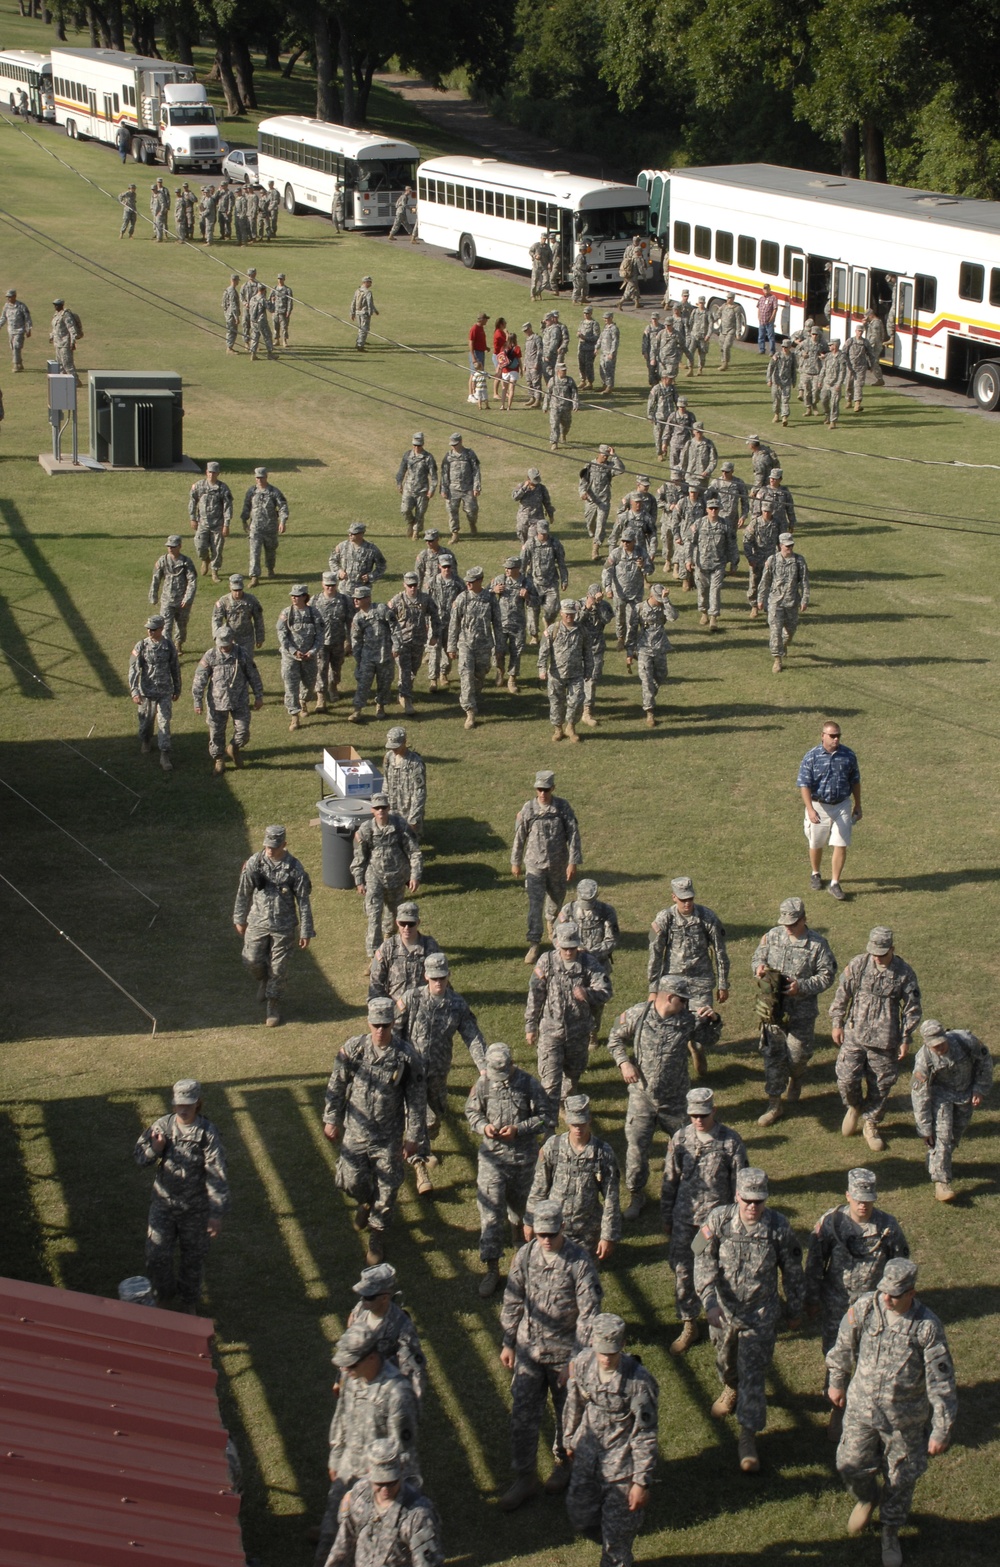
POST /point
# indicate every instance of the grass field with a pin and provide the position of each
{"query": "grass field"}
(899, 644)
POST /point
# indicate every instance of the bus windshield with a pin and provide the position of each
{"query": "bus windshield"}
(611, 222)
(191, 114)
(378, 173)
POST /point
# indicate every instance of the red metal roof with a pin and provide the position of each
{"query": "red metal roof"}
(112, 1448)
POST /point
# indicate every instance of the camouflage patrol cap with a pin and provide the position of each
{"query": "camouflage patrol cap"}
(410, 579)
(542, 526)
(379, 1280)
(673, 985)
(329, 579)
(408, 911)
(445, 559)
(753, 440)
(187, 1091)
(576, 1110)
(174, 541)
(455, 439)
(274, 836)
(380, 802)
(251, 271)
(654, 317)
(879, 940)
(512, 563)
(234, 277)
(607, 1333)
(642, 478)
(224, 637)
(713, 502)
(260, 473)
(430, 534)
(12, 293)
(728, 467)
(384, 1463)
(609, 315)
(211, 467)
(499, 1062)
(788, 539)
(588, 310)
(766, 504)
(395, 737)
(474, 574)
(682, 887)
(586, 889)
(155, 623)
(545, 779)
(382, 1011)
(751, 1184)
(554, 315)
(604, 451)
(360, 590)
(700, 1101)
(656, 592)
(776, 473)
(526, 326)
(628, 535)
(932, 1032)
(534, 473)
(567, 935)
(353, 1346)
(366, 278)
(356, 526)
(547, 1218)
(682, 402)
(436, 966)
(699, 427)
(281, 277)
(730, 295)
(790, 911)
(262, 288)
(58, 303)
(569, 607)
(594, 589)
(677, 473)
(898, 1276)
(300, 590)
(418, 438)
(835, 342)
(862, 1185)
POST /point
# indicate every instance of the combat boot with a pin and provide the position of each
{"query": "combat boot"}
(498, 679)
(490, 1279)
(747, 1449)
(234, 751)
(703, 619)
(571, 734)
(376, 1248)
(650, 718)
(252, 581)
(320, 702)
(595, 551)
(686, 1338)
(713, 623)
(775, 1110)
(754, 611)
(636, 1205)
(294, 724)
(860, 1517)
(219, 766)
(361, 1213)
(558, 1480)
(522, 1490)
(557, 733)
(793, 1091)
(777, 666)
(165, 762)
(870, 1133)
(851, 1122)
(273, 1014)
(261, 988)
(470, 720)
(587, 717)
(532, 954)
(892, 1555)
(380, 711)
(512, 685)
(724, 1404)
(408, 708)
(204, 568)
(355, 716)
(943, 1192)
(215, 575)
(424, 1184)
(145, 746)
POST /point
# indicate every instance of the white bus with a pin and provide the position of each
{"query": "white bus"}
(833, 247)
(491, 211)
(161, 106)
(22, 70)
(310, 160)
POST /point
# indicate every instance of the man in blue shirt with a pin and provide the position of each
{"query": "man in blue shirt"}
(830, 784)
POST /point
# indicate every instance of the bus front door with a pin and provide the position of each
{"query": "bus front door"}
(564, 245)
(839, 304)
(903, 348)
(793, 315)
(860, 292)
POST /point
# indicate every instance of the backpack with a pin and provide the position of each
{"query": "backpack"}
(77, 324)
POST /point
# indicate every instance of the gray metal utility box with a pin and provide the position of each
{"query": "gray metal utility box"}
(136, 418)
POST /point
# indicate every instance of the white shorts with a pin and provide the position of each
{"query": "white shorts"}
(510, 377)
(833, 827)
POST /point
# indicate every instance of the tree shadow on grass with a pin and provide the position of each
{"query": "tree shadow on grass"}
(929, 881)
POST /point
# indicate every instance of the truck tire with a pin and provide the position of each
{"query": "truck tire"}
(986, 384)
(467, 251)
(71, 131)
(168, 158)
(291, 205)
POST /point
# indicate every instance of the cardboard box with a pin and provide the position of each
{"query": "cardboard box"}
(349, 774)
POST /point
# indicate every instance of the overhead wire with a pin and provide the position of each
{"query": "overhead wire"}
(81, 845)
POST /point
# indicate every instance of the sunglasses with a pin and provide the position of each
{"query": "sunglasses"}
(406, 924)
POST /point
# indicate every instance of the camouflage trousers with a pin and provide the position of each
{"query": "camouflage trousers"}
(590, 686)
(530, 1387)
(585, 359)
(549, 604)
(364, 323)
(626, 611)
(539, 278)
(607, 366)
(438, 662)
(709, 585)
(331, 1517)
(562, 1060)
(595, 1503)
(413, 508)
(281, 320)
(371, 1174)
(565, 700)
(159, 226)
(560, 424)
(65, 354)
(595, 515)
(581, 289)
(660, 436)
(128, 223)
(781, 399)
(207, 231)
(811, 390)
(186, 1229)
(408, 662)
(473, 667)
(499, 1185)
(381, 903)
(697, 350)
(217, 720)
(855, 385)
(871, 1446)
(511, 651)
(298, 676)
(366, 671)
(329, 664)
(209, 544)
(261, 328)
(175, 622)
(232, 327)
(726, 341)
(546, 889)
(831, 403)
(949, 1121)
(266, 954)
(630, 292)
(756, 560)
(781, 618)
(456, 504)
(266, 542)
(859, 1067)
(644, 1116)
(786, 1051)
(158, 710)
(652, 674)
(743, 1354)
(681, 1260)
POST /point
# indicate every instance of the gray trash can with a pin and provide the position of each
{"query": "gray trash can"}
(339, 820)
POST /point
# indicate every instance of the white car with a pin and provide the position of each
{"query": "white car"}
(241, 166)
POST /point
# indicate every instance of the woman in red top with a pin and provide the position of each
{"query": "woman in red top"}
(477, 350)
(509, 366)
(499, 343)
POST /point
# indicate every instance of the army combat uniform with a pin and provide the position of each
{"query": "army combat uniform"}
(154, 676)
(699, 1174)
(210, 508)
(417, 474)
(941, 1092)
(533, 503)
(610, 1422)
(565, 662)
(624, 577)
(562, 1022)
(358, 562)
(686, 944)
(878, 1008)
(334, 614)
(272, 901)
(431, 1023)
(405, 782)
(398, 966)
(373, 640)
(475, 635)
(546, 843)
(646, 640)
(809, 961)
(461, 482)
(584, 1182)
(562, 400)
(225, 678)
(543, 561)
(264, 515)
(190, 1188)
(596, 479)
(299, 634)
(16, 316)
(845, 1259)
(385, 860)
(244, 617)
(366, 1412)
(372, 1536)
(174, 584)
(414, 619)
(505, 1170)
(379, 1100)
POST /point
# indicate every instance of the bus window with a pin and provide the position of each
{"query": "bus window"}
(724, 247)
(786, 270)
(860, 303)
(519, 209)
(449, 194)
(702, 242)
(682, 238)
(488, 202)
(770, 257)
(904, 307)
(839, 299)
(746, 253)
(529, 212)
(995, 286)
(971, 277)
(479, 198)
(508, 204)
(422, 188)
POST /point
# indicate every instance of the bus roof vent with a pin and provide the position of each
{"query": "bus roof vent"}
(827, 184)
(480, 161)
(937, 201)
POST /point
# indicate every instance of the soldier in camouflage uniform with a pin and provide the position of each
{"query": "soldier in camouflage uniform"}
(16, 316)
(444, 589)
(806, 966)
(376, 1108)
(648, 347)
(952, 1075)
(264, 516)
(760, 541)
(159, 208)
(587, 334)
(848, 1250)
(362, 310)
(835, 370)
(475, 638)
(260, 327)
(810, 357)
(231, 309)
(688, 939)
(781, 495)
(240, 223)
(154, 683)
(376, 1403)
(700, 457)
(669, 350)
(282, 303)
(273, 914)
(659, 1031)
(610, 1428)
(174, 584)
(416, 481)
(579, 277)
(739, 1251)
(668, 498)
(648, 642)
(225, 210)
(711, 549)
(517, 597)
(533, 504)
(248, 291)
(333, 611)
(734, 506)
(386, 862)
(190, 1194)
(859, 361)
(566, 986)
(631, 271)
(509, 1110)
(405, 775)
(660, 405)
(901, 1405)
(540, 255)
(784, 592)
(357, 560)
(428, 560)
(461, 484)
(64, 335)
(555, 344)
(562, 399)
(398, 963)
(531, 365)
(625, 574)
(210, 509)
(565, 662)
(699, 330)
(547, 844)
(728, 321)
(224, 679)
(597, 925)
(688, 512)
(242, 614)
(373, 642)
(430, 1016)
(607, 351)
(595, 612)
(128, 199)
(379, 1311)
(699, 1172)
(300, 631)
(875, 1013)
(762, 460)
(208, 208)
(544, 562)
(638, 510)
(415, 620)
(386, 1518)
(552, 1297)
(782, 374)
(680, 424)
(596, 478)
(579, 1172)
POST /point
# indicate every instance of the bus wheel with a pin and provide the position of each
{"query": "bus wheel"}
(467, 251)
(290, 203)
(986, 384)
(742, 334)
(71, 129)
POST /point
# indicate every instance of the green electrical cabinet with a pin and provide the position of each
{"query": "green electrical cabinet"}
(136, 418)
